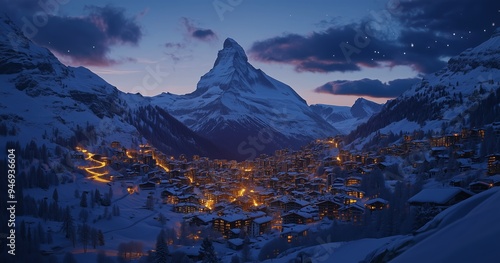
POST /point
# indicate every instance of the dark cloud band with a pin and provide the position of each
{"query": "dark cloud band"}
(419, 35)
(368, 87)
(86, 40)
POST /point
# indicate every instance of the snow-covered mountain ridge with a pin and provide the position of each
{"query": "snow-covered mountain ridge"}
(345, 118)
(45, 101)
(447, 100)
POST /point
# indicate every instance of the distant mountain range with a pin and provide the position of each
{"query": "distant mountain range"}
(345, 118)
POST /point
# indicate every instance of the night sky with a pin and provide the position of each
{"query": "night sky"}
(329, 51)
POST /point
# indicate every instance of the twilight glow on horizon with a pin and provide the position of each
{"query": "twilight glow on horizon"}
(330, 52)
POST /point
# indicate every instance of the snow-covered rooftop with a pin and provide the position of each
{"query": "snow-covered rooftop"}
(437, 195)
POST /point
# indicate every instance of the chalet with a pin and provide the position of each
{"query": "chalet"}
(78, 156)
(328, 208)
(292, 231)
(279, 202)
(297, 217)
(480, 186)
(244, 202)
(494, 164)
(352, 213)
(295, 204)
(439, 197)
(465, 164)
(147, 186)
(353, 192)
(353, 181)
(235, 243)
(203, 219)
(260, 225)
(345, 199)
(115, 145)
(377, 204)
(187, 199)
(265, 195)
(225, 223)
(234, 233)
(187, 208)
(192, 252)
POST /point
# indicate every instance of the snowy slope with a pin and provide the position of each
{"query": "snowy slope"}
(344, 118)
(443, 99)
(234, 101)
(45, 101)
(345, 252)
(466, 232)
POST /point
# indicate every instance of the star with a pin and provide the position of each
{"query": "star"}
(411, 45)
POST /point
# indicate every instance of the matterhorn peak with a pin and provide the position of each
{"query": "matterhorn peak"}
(232, 53)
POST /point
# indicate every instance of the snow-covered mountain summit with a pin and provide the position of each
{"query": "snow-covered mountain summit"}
(363, 108)
(235, 101)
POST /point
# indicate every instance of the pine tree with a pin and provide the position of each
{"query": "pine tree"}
(84, 215)
(150, 202)
(93, 237)
(67, 226)
(84, 234)
(116, 210)
(92, 199)
(100, 238)
(235, 259)
(97, 196)
(49, 237)
(102, 258)
(55, 195)
(161, 254)
(41, 233)
(245, 252)
(69, 258)
(208, 252)
(83, 200)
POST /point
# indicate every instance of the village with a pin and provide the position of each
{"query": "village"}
(292, 192)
